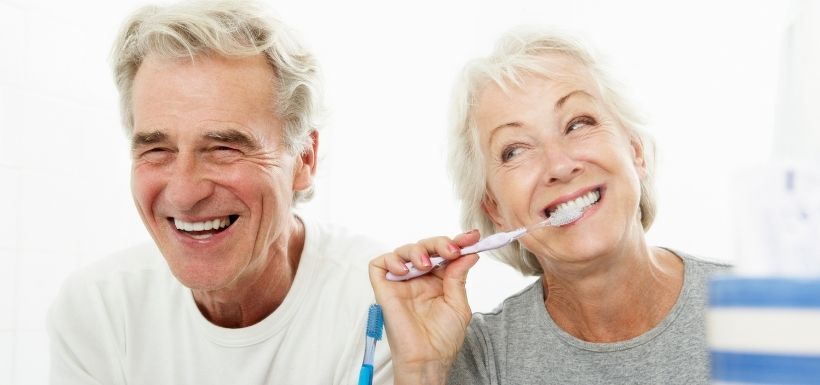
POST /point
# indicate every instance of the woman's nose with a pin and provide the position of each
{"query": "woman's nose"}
(188, 184)
(561, 165)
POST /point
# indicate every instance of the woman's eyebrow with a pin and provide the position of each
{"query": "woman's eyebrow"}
(560, 103)
(499, 128)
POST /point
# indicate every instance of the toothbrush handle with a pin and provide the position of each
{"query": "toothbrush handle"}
(413, 272)
(366, 375)
(489, 243)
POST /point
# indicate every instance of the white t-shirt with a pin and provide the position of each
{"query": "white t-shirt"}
(128, 320)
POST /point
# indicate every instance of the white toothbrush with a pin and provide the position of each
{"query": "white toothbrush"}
(492, 242)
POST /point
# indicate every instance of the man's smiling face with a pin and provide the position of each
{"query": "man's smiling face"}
(211, 177)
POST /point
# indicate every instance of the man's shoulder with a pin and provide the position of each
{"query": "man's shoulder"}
(340, 243)
(111, 283)
(135, 259)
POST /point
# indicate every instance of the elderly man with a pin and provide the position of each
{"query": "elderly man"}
(220, 103)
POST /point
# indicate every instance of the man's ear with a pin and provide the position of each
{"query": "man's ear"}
(304, 168)
(490, 207)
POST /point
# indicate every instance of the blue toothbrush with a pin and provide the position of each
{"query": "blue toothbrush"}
(373, 333)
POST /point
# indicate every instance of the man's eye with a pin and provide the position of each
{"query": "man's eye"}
(155, 154)
(223, 149)
(510, 152)
(223, 152)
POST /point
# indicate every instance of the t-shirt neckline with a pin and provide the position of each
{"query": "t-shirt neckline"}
(548, 323)
(277, 321)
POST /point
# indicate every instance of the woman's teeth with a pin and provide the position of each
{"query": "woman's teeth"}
(218, 223)
(580, 203)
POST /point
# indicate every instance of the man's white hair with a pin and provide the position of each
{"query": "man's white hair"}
(519, 52)
(229, 28)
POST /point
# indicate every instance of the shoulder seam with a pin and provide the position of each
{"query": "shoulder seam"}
(513, 297)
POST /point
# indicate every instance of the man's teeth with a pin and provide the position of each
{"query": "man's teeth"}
(218, 223)
(581, 202)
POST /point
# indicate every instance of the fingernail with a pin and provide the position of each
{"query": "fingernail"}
(404, 267)
(453, 249)
(425, 260)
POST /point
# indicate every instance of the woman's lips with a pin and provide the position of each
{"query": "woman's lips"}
(581, 201)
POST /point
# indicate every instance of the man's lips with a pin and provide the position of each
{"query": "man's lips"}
(203, 229)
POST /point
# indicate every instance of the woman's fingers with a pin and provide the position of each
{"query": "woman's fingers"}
(467, 239)
(454, 284)
(394, 263)
(420, 253)
(427, 317)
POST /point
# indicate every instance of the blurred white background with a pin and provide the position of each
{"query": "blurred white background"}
(719, 84)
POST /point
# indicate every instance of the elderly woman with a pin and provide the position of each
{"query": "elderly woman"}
(538, 125)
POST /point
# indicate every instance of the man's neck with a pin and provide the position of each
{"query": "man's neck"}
(256, 296)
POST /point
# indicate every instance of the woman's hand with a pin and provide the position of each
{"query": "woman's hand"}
(425, 317)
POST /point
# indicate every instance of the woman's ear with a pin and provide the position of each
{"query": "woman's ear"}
(638, 155)
(490, 207)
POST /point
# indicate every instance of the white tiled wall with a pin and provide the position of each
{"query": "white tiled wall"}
(9, 198)
(8, 286)
(11, 123)
(6, 356)
(30, 363)
(63, 165)
(12, 24)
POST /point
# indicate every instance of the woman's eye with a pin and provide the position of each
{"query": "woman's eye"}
(510, 152)
(580, 122)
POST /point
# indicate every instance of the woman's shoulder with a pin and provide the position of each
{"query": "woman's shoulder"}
(697, 273)
(511, 311)
(702, 265)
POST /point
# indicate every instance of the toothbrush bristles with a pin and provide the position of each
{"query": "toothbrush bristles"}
(563, 217)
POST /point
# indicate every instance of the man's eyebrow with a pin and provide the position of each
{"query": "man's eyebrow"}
(140, 139)
(566, 97)
(235, 137)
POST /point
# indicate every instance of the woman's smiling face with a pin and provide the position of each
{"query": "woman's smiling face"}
(553, 141)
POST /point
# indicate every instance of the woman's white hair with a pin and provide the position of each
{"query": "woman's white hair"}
(519, 52)
(228, 28)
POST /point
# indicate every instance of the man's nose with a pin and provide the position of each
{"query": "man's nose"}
(188, 184)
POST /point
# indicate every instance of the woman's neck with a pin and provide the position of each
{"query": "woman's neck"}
(616, 297)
